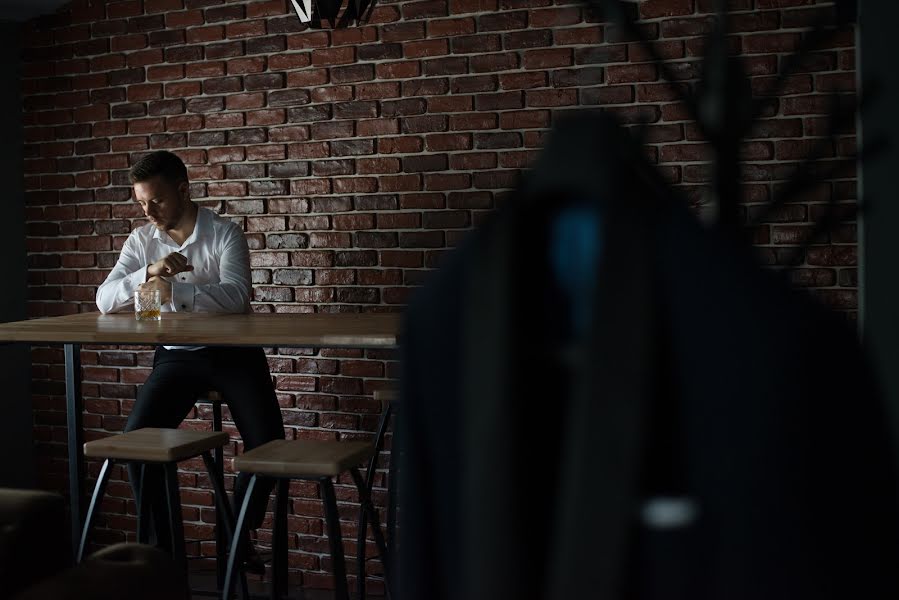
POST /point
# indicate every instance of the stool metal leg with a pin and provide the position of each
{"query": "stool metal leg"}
(369, 483)
(99, 490)
(334, 538)
(235, 557)
(366, 506)
(221, 498)
(279, 543)
(176, 527)
(221, 543)
(392, 482)
(143, 508)
(361, 559)
(224, 521)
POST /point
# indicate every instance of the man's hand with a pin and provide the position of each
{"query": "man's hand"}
(168, 266)
(158, 283)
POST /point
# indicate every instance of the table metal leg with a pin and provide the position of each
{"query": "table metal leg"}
(74, 408)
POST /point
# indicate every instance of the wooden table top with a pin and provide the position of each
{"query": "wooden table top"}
(337, 330)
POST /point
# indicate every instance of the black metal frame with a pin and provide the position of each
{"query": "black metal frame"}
(176, 524)
(279, 549)
(235, 557)
(390, 519)
(386, 553)
(74, 409)
(143, 510)
(99, 491)
(221, 543)
(279, 541)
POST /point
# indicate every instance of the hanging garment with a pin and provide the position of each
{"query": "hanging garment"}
(704, 433)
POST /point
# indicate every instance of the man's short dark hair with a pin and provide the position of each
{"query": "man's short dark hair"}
(160, 163)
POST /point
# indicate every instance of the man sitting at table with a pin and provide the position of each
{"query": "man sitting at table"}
(199, 262)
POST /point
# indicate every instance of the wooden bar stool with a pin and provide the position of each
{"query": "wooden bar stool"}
(315, 460)
(166, 447)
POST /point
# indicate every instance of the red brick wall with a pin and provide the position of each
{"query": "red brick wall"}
(354, 159)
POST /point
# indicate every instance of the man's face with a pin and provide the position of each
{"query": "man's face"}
(163, 202)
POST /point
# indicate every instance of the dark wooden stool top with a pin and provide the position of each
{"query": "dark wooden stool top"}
(152, 444)
(303, 458)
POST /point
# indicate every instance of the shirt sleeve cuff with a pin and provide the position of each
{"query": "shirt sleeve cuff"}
(183, 296)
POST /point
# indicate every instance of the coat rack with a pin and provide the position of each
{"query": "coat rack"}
(724, 110)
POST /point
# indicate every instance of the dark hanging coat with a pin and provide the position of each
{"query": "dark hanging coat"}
(529, 451)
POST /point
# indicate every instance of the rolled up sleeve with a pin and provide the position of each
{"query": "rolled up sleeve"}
(117, 291)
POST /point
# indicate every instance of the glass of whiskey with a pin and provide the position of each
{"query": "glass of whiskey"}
(147, 305)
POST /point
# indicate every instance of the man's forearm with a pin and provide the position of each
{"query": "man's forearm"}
(117, 292)
(225, 297)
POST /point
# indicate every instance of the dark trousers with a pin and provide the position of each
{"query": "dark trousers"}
(178, 378)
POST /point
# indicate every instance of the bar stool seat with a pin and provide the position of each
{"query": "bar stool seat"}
(153, 444)
(303, 458)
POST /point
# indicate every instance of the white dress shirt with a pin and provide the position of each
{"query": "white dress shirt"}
(217, 250)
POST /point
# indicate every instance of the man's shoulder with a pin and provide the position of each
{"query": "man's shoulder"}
(219, 223)
(143, 234)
